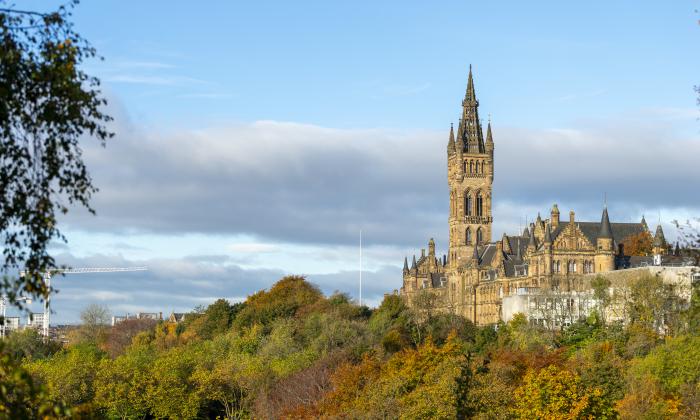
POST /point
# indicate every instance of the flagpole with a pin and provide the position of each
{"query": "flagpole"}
(360, 267)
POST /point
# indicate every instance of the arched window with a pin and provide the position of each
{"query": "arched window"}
(464, 166)
(471, 166)
(479, 236)
(478, 166)
(468, 237)
(479, 204)
(468, 205)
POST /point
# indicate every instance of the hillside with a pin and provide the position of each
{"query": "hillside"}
(290, 352)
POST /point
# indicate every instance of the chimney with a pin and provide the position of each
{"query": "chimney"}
(554, 216)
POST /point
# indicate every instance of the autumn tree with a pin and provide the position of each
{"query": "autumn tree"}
(47, 105)
(556, 393)
(638, 244)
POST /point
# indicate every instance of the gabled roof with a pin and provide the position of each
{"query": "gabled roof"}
(620, 231)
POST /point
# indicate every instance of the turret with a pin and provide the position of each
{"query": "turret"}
(547, 241)
(405, 265)
(451, 142)
(604, 258)
(431, 248)
(554, 216)
(659, 245)
(506, 244)
(414, 266)
(531, 243)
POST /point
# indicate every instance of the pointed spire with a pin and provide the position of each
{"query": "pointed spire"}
(518, 254)
(451, 142)
(526, 233)
(531, 243)
(605, 229)
(548, 235)
(644, 223)
(659, 238)
(489, 136)
(405, 264)
(469, 131)
(470, 95)
(413, 264)
(677, 251)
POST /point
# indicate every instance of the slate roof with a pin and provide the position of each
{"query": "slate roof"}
(591, 230)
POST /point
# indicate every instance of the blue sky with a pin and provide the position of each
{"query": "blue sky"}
(256, 139)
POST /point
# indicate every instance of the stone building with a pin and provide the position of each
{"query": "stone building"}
(477, 272)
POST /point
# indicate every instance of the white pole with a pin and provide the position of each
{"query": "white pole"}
(47, 307)
(4, 320)
(360, 267)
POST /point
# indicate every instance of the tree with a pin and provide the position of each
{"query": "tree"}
(638, 244)
(29, 344)
(121, 335)
(69, 374)
(20, 396)
(601, 293)
(120, 385)
(556, 393)
(47, 104)
(95, 324)
(284, 299)
(216, 319)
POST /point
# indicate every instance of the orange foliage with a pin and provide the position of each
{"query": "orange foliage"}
(638, 245)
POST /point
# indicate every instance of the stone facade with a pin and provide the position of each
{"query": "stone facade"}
(477, 273)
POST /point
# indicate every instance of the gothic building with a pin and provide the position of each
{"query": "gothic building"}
(478, 272)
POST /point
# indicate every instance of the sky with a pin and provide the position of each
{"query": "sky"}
(257, 139)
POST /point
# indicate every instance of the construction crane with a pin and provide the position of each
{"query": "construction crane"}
(84, 270)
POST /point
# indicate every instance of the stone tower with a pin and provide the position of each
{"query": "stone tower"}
(604, 259)
(469, 176)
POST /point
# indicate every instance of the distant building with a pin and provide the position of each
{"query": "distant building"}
(156, 316)
(11, 324)
(176, 317)
(478, 273)
(35, 320)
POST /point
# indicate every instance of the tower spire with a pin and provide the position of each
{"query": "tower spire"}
(451, 142)
(469, 126)
(605, 229)
(470, 95)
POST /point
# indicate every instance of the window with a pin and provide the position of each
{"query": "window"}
(471, 166)
(478, 171)
(479, 204)
(468, 205)
(468, 236)
(479, 236)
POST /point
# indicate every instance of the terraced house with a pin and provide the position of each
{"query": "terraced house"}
(477, 274)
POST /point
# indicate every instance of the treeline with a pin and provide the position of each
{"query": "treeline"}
(291, 352)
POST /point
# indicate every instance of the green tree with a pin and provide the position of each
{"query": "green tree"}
(121, 384)
(47, 104)
(20, 396)
(29, 344)
(284, 299)
(216, 319)
(69, 375)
